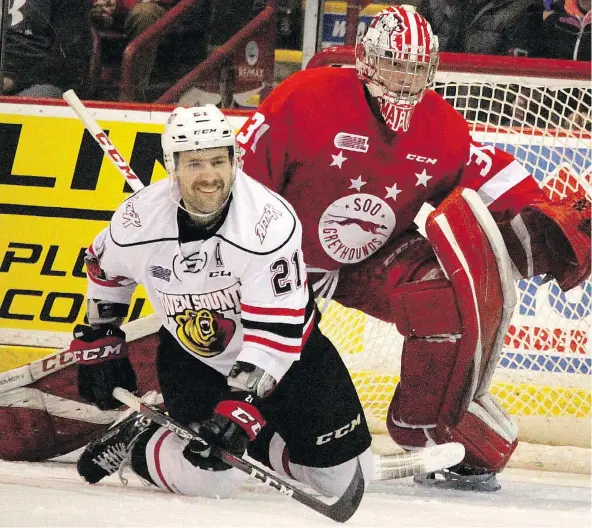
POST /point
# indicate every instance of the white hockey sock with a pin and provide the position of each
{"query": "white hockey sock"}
(170, 470)
(330, 481)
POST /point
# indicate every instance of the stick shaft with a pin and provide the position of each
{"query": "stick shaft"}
(103, 140)
(339, 511)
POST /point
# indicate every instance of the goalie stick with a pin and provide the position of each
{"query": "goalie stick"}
(388, 467)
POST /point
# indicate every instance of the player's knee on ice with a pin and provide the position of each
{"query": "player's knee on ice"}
(170, 470)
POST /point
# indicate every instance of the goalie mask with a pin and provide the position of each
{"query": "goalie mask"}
(201, 179)
(397, 60)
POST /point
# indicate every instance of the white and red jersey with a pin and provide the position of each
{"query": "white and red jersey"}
(353, 182)
(240, 293)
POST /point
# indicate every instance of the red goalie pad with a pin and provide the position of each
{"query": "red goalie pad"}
(454, 333)
(47, 418)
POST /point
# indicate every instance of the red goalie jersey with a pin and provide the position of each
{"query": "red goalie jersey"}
(356, 185)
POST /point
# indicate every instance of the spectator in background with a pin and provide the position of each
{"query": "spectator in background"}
(289, 25)
(226, 19)
(48, 48)
(562, 32)
(489, 27)
(185, 40)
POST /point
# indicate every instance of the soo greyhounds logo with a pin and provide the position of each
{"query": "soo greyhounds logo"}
(356, 226)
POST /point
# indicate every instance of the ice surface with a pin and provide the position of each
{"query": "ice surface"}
(52, 494)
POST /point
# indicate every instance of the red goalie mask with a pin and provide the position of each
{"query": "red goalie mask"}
(397, 60)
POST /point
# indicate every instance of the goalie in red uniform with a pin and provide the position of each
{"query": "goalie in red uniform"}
(357, 152)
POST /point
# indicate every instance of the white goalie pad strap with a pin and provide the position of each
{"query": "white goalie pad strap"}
(490, 413)
(521, 232)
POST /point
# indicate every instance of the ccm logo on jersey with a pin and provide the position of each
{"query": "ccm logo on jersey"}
(338, 433)
(422, 159)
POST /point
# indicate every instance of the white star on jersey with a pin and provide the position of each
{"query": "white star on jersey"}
(357, 184)
(392, 192)
(338, 160)
(422, 179)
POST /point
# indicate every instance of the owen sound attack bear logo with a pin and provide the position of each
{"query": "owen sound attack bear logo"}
(200, 321)
(205, 332)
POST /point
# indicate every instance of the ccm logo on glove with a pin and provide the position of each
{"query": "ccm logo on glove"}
(110, 347)
(243, 414)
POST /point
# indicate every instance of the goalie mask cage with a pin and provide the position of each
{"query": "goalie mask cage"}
(540, 111)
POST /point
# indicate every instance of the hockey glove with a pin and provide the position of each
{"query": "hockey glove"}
(236, 422)
(103, 364)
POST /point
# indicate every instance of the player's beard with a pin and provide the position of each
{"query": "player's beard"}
(205, 197)
(204, 211)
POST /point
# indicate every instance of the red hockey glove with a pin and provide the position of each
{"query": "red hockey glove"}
(236, 422)
(566, 229)
(103, 364)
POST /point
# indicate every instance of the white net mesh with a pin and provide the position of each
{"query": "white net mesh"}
(544, 374)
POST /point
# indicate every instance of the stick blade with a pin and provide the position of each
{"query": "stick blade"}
(343, 509)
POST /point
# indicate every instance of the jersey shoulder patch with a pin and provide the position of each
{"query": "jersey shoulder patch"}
(146, 217)
(259, 222)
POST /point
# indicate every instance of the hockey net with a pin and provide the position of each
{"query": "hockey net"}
(543, 117)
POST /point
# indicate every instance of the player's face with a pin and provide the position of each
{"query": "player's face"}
(403, 77)
(205, 179)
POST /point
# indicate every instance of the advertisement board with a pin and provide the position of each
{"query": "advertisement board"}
(333, 22)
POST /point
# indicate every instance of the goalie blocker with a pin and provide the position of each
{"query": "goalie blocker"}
(454, 330)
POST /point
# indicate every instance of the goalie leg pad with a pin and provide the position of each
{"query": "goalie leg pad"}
(450, 352)
(427, 369)
(489, 440)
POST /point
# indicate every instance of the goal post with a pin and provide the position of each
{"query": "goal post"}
(540, 111)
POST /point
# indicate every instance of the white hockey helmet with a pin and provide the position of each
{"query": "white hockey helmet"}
(397, 60)
(200, 127)
(197, 128)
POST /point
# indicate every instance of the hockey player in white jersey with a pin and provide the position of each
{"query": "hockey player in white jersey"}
(241, 355)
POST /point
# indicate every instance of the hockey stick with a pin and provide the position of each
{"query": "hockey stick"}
(103, 140)
(339, 511)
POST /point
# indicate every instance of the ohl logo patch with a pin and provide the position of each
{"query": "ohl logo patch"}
(356, 226)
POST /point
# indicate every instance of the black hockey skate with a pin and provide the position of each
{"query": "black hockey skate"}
(461, 478)
(104, 456)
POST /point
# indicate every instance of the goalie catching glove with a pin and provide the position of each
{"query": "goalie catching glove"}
(236, 420)
(103, 364)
